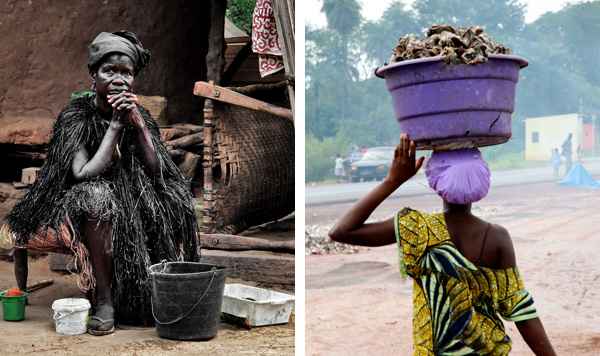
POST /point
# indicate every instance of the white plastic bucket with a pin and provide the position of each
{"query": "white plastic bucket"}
(71, 315)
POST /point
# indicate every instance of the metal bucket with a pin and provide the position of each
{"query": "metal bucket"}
(450, 106)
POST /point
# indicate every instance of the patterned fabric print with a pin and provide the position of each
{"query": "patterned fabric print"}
(265, 40)
(456, 304)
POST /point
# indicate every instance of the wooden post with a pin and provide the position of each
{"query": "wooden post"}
(215, 58)
(284, 18)
(215, 62)
(207, 164)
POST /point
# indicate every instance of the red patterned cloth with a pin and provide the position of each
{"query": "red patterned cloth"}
(265, 41)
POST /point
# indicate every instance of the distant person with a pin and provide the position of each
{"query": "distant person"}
(355, 154)
(555, 161)
(567, 153)
(339, 171)
(464, 269)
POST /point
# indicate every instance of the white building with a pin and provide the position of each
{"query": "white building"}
(542, 134)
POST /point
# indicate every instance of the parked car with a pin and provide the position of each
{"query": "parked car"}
(374, 164)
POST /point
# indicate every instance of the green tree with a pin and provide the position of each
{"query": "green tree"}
(240, 13)
(322, 89)
(343, 17)
(575, 30)
(380, 36)
(501, 18)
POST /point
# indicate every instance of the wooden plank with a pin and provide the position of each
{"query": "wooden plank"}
(34, 156)
(186, 141)
(257, 88)
(172, 132)
(283, 11)
(256, 266)
(225, 95)
(244, 243)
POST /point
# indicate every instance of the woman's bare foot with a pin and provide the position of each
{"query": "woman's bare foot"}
(102, 322)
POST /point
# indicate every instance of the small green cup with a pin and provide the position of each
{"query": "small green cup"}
(13, 308)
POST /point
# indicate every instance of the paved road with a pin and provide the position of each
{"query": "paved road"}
(348, 192)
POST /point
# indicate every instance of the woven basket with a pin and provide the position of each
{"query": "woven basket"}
(254, 168)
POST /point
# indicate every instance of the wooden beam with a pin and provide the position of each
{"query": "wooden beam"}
(283, 10)
(257, 266)
(244, 243)
(215, 58)
(34, 156)
(255, 88)
(186, 141)
(172, 132)
(225, 95)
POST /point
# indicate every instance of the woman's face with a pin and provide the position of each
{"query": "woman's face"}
(114, 75)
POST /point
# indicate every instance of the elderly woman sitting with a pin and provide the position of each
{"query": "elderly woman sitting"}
(108, 192)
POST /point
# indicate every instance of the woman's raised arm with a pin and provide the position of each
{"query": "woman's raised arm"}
(351, 228)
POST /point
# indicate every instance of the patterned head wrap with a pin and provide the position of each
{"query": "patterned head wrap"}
(124, 42)
(459, 176)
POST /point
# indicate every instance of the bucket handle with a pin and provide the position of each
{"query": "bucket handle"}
(186, 314)
(58, 315)
(163, 265)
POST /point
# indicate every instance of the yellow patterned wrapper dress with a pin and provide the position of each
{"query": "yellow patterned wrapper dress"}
(457, 305)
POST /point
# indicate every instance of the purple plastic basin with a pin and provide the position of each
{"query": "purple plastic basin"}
(448, 106)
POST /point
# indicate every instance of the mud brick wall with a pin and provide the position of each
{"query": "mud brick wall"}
(43, 51)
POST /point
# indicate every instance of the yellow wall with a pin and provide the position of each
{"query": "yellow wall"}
(552, 132)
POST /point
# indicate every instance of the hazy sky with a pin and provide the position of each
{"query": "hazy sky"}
(375, 8)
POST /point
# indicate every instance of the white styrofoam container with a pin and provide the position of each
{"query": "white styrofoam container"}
(257, 306)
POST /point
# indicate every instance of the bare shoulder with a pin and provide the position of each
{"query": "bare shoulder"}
(503, 246)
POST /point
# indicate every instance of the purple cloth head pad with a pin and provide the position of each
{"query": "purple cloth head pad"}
(458, 176)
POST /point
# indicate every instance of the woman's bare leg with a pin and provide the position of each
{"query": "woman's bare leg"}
(98, 237)
(21, 267)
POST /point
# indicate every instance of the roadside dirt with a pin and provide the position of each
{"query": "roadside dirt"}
(358, 304)
(36, 335)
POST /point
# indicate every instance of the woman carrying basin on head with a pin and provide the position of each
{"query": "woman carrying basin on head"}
(464, 269)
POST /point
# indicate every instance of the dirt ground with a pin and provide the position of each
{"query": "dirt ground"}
(358, 304)
(36, 335)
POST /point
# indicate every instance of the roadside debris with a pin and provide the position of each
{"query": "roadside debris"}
(317, 242)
